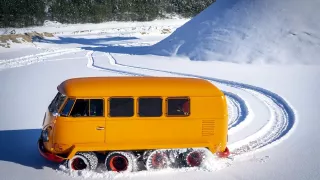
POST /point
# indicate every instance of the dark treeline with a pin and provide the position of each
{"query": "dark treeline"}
(23, 13)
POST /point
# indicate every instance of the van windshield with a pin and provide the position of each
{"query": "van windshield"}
(56, 102)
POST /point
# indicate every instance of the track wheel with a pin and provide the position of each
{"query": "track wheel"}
(83, 161)
(194, 158)
(157, 160)
(120, 162)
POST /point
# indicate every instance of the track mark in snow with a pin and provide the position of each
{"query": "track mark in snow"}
(112, 61)
(92, 65)
(242, 117)
(279, 124)
(31, 59)
(233, 110)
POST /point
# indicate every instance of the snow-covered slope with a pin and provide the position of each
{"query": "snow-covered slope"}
(247, 31)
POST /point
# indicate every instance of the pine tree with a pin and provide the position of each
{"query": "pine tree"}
(22, 13)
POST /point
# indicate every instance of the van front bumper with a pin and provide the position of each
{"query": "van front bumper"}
(48, 155)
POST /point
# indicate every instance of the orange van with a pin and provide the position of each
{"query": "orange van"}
(120, 121)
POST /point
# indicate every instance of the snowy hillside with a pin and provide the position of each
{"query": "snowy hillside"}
(273, 110)
(246, 31)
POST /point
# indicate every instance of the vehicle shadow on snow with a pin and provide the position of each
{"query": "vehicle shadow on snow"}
(133, 50)
(103, 45)
(86, 41)
(20, 147)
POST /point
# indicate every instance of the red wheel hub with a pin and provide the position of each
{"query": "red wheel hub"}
(158, 160)
(78, 164)
(194, 158)
(118, 163)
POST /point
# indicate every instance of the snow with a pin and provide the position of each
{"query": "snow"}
(273, 109)
(251, 32)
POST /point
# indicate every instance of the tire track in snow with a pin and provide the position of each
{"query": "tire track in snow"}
(281, 122)
(241, 108)
(233, 111)
(236, 106)
(36, 58)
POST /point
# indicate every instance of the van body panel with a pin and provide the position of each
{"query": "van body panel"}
(79, 130)
(152, 131)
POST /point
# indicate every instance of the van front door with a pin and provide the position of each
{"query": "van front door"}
(86, 122)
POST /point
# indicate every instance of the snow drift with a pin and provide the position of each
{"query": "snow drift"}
(250, 31)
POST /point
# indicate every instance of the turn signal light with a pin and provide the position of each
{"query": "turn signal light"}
(59, 147)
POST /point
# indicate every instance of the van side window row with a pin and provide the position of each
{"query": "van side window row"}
(124, 107)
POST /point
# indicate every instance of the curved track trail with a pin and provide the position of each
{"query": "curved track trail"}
(281, 116)
(36, 58)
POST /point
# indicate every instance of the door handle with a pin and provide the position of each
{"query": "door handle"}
(100, 128)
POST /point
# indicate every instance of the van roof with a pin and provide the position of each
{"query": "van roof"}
(137, 86)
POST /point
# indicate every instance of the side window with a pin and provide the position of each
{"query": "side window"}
(66, 109)
(121, 107)
(96, 107)
(80, 108)
(150, 107)
(178, 106)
